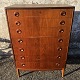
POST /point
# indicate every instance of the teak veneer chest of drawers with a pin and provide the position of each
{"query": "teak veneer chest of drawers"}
(40, 35)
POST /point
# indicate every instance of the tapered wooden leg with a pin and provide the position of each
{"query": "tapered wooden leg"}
(62, 72)
(18, 73)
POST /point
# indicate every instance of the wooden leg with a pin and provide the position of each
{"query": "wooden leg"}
(18, 73)
(62, 72)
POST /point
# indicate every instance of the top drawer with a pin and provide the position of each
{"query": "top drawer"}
(44, 13)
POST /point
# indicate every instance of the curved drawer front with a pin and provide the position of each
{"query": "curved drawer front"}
(44, 13)
(40, 65)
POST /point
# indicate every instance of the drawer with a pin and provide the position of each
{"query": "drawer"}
(42, 31)
(45, 13)
(41, 58)
(40, 65)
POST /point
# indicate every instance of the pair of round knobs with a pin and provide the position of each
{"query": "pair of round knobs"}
(61, 23)
(57, 64)
(63, 13)
(21, 41)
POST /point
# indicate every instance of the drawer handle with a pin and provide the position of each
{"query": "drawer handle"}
(22, 57)
(18, 23)
(60, 40)
(59, 49)
(63, 13)
(20, 41)
(16, 14)
(23, 65)
(19, 31)
(21, 49)
(59, 57)
(62, 22)
(61, 31)
(57, 64)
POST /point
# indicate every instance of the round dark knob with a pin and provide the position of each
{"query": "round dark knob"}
(62, 22)
(21, 49)
(19, 31)
(60, 40)
(22, 57)
(20, 41)
(61, 31)
(59, 49)
(18, 23)
(23, 65)
(63, 13)
(59, 57)
(16, 14)
(57, 64)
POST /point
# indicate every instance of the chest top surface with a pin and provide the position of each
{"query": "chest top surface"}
(33, 6)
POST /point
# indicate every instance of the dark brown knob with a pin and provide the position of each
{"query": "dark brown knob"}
(19, 31)
(22, 57)
(57, 64)
(20, 41)
(16, 14)
(62, 22)
(23, 65)
(21, 49)
(63, 13)
(60, 40)
(59, 49)
(61, 31)
(59, 57)
(18, 23)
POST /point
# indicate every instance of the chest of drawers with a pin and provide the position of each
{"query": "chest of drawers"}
(40, 35)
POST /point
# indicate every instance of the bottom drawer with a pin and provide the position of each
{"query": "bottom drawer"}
(40, 65)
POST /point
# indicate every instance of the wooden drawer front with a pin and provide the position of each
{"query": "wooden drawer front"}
(44, 13)
(43, 31)
(40, 65)
(40, 58)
